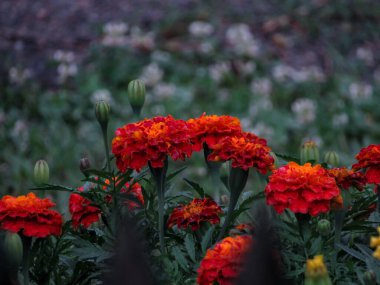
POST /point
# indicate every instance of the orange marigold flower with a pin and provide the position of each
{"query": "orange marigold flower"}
(345, 178)
(194, 213)
(151, 140)
(30, 214)
(301, 188)
(84, 213)
(245, 151)
(223, 263)
(369, 158)
(209, 129)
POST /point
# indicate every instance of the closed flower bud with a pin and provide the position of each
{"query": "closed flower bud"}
(332, 158)
(309, 152)
(324, 227)
(369, 278)
(41, 172)
(136, 95)
(84, 164)
(102, 113)
(225, 199)
(13, 249)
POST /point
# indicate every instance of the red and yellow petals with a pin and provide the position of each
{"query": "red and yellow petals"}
(223, 263)
(369, 158)
(31, 215)
(194, 213)
(82, 211)
(303, 189)
(245, 151)
(151, 140)
(346, 178)
(210, 129)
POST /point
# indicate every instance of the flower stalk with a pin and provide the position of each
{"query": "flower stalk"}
(159, 175)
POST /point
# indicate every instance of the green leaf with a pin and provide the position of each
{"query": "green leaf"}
(287, 157)
(175, 173)
(180, 258)
(207, 239)
(55, 188)
(190, 246)
(352, 252)
(196, 187)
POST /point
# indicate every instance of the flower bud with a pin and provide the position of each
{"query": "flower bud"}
(332, 158)
(324, 227)
(136, 95)
(84, 165)
(13, 249)
(369, 278)
(102, 113)
(41, 172)
(309, 152)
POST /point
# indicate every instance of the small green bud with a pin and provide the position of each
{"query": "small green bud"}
(102, 113)
(136, 95)
(41, 172)
(13, 248)
(309, 152)
(332, 158)
(324, 227)
(84, 165)
(369, 278)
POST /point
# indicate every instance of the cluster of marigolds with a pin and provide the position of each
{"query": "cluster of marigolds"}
(307, 189)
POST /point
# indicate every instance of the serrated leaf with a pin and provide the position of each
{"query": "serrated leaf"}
(352, 252)
(206, 241)
(287, 157)
(196, 187)
(190, 247)
(180, 258)
(55, 188)
(175, 173)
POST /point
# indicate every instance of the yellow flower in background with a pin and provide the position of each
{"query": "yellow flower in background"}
(316, 272)
(375, 243)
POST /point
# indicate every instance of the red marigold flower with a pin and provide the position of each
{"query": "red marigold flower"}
(245, 151)
(210, 129)
(369, 158)
(301, 188)
(84, 213)
(346, 178)
(224, 262)
(30, 214)
(194, 213)
(151, 140)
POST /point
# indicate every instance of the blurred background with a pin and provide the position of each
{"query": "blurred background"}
(290, 70)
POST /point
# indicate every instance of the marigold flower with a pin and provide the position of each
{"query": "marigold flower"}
(369, 158)
(345, 178)
(245, 151)
(30, 214)
(84, 213)
(210, 129)
(316, 269)
(151, 140)
(375, 243)
(224, 262)
(194, 213)
(301, 188)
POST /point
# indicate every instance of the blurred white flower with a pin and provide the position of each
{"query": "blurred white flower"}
(262, 130)
(240, 38)
(19, 76)
(160, 56)
(304, 110)
(223, 95)
(114, 34)
(340, 120)
(101, 95)
(263, 104)
(365, 54)
(358, 91)
(282, 72)
(140, 40)
(245, 68)
(261, 86)
(219, 70)
(164, 90)
(2, 118)
(65, 71)
(20, 134)
(201, 29)
(158, 109)
(206, 48)
(152, 74)
(376, 75)
(64, 56)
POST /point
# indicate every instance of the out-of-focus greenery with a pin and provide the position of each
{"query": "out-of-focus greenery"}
(302, 70)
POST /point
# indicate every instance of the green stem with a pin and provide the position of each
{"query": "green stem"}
(303, 220)
(227, 220)
(105, 139)
(159, 175)
(27, 241)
